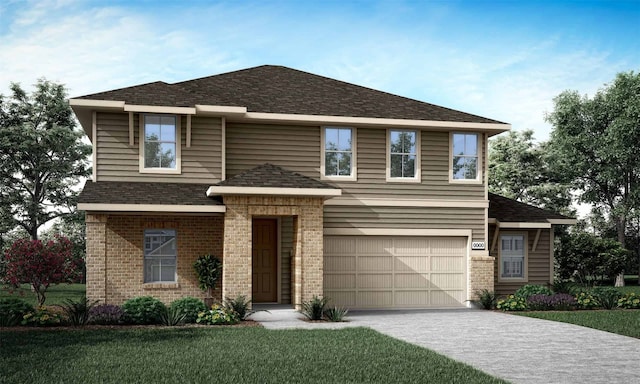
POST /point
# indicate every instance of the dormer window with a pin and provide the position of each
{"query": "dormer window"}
(160, 147)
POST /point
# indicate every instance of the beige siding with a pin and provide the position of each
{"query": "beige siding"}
(286, 246)
(538, 263)
(117, 161)
(405, 217)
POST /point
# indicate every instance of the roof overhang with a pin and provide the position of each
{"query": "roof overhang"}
(272, 191)
(531, 225)
(151, 208)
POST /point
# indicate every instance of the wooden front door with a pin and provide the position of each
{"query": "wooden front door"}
(265, 261)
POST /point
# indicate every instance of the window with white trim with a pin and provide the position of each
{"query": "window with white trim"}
(403, 154)
(512, 256)
(160, 142)
(465, 161)
(338, 152)
(160, 255)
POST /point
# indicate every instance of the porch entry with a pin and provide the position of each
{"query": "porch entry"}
(264, 261)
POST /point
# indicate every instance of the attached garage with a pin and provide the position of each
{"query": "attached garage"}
(395, 271)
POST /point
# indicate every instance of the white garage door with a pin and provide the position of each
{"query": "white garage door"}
(395, 272)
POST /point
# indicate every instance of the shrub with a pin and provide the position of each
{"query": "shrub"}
(336, 314)
(629, 301)
(143, 310)
(531, 289)
(189, 307)
(607, 297)
(555, 302)
(314, 308)
(512, 303)
(42, 317)
(239, 305)
(487, 299)
(208, 269)
(77, 312)
(172, 316)
(12, 310)
(106, 314)
(586, 300)
(564, 286)
(217, 315)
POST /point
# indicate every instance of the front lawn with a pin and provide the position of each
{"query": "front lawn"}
(56, 294)
(622, 322)
(223, 355)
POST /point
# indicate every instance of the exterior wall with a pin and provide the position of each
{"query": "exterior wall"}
(539, 263)
(286, 250)
(115, 256)
(307, 243)
(481, 275)
(118, 161)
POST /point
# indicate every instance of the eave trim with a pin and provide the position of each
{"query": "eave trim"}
(151, 208)
(272, 191)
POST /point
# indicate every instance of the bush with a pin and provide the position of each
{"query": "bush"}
(487, 299)
(586, 300)
(629, 301)
(106, 314)
(314, 308)
(555, 302)
(217, 315)
(77, 312)
(42, 317)
(529, 290)
(189, 307)
(512, 303)
(172, 317)
(143, 310)
(565, 286)
(336, 314)
(12, 310)
(607, 297)
(239, 305)
(208, 269)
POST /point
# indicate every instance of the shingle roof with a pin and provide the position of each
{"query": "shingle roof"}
(272, 176)
(117, 192)
(508, 210)
(277, 89)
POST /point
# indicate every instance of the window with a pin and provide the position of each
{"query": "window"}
(512, 256)
(465, 161)
(403, 162)
(338, 153)
(160, 255)
(160, 149)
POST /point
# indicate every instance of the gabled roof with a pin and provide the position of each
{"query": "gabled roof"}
(282, 90)
(505, 210)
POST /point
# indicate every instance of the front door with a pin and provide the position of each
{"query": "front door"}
(265, 261)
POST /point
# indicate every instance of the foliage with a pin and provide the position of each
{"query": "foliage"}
(606, 297)
(487, 299)
(519, 169)
(314, 308)
(77, 312)
(12, 310)
(240, 305)
(336, 314)
(528, 290)
(208, 269)
(189, 307)
(629, 301)
(42, 317)
(584, 256)
(106, 314)
(217, 315)
(40, 264)
(72, 227)
(586, 300)
(512, 303)
(172, 316)
(625, 323)
(564, 286)
(554, 302)
(143, 310)
(41, 156)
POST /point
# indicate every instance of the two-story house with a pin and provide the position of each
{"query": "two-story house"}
(303, 185)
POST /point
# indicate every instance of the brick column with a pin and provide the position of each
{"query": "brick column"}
(480, 275)
(96, 257)
(236, 260)
(312, 249)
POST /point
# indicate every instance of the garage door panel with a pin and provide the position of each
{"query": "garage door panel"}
(371, 280)
(339, 263)
(443, 263)
(412, 263)
(410, 246)
(374, 246)
(446, 298)
(345, 299)
(447, 281)
(407, 280)
(375, 263)
(411, 298)
(343, 245)
(375, 299)
(448, 246)
(341, 281)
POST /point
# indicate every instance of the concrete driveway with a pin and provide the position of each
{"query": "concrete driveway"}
(518, 349)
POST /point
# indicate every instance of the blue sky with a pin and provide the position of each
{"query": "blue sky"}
(500, 59)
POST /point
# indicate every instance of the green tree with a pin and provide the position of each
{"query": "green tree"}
(595, 142)
(521, 169)
(41, 156)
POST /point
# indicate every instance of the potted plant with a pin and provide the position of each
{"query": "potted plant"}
(208, 268)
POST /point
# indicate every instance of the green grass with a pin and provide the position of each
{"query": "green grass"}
(56, 294)
(622, 322)
(222, 355)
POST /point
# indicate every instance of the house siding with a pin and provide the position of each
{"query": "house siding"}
(118, 161)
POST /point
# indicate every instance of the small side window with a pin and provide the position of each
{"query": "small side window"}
(160, 255)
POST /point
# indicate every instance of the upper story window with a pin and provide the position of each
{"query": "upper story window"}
(160, 149)
(338, 152)
(403, 155)
(160, 254)
(465, 160)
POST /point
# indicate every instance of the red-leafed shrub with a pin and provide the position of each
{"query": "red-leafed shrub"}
(40, 264)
